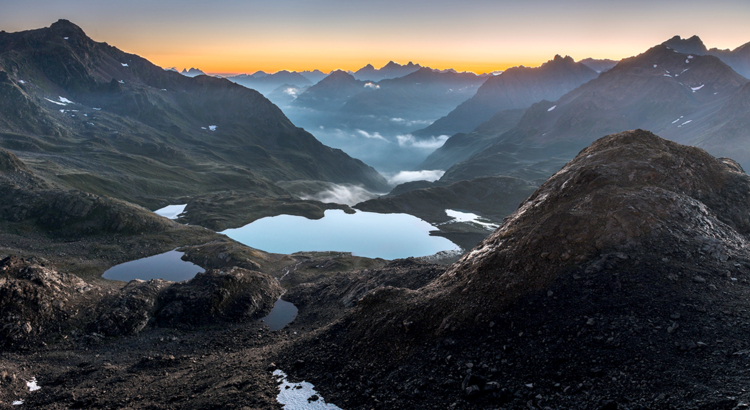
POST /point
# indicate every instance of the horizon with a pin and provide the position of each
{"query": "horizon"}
(228, 37)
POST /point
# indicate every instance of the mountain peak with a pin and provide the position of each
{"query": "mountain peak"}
(692, 45)
(558, 59)
(66, 29)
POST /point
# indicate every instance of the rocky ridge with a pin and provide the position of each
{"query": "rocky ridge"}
(620, 283)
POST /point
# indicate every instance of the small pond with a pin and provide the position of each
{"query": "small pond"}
(372, 235)
(167, 266)
(281, 315)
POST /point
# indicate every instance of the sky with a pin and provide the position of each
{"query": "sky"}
(235, 36)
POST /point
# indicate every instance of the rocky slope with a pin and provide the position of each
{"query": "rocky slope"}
(622, 282)
(515, 88)
(88, 115)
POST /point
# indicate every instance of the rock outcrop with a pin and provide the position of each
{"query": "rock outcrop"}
(216, 296)
(622, 282)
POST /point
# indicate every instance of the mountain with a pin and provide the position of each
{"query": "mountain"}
(738, 59)
(267, 83)
(461, 146)
(422, 94)
(193, 72)
(517, 87)
(331, 92)
(598, 65)
(388, 71)
(87, 115)
(314, 76)
(284, 94)
(677, 95)
(626, 269)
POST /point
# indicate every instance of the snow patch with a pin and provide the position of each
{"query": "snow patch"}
(469, 217)
(294, 396)
(551, 108)
(690, 57)
(687, 61)
(171, 211)
(667, 75)
(212, 127)
(20, 402)
(98, 109)
(124, 65)
(32, 384)
(697, 88)
(65, 100)
(121, 82)
(65, 38)
(22, 81)
(655, 66)
(686, 122)
(55, 102)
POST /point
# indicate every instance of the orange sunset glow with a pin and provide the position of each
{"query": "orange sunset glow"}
(480, 36)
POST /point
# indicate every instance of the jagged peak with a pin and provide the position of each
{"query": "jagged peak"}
(692, 45)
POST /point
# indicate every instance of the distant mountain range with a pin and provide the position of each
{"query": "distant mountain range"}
(689, 98)
(90, 116)
(598, 65)
(266, 83)
(517, 87)
(422, 94)
(388, 71)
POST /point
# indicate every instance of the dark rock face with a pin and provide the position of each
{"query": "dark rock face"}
(130, 310)
(216, 296)
(623, 279)
(36, 301)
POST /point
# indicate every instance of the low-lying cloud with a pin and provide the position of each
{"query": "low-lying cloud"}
(433, 143)
(411, 123)
(409, 176)
(373, 86)
(342, 194)
(374, 136)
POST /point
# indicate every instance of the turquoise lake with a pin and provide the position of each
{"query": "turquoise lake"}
(372, 235)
